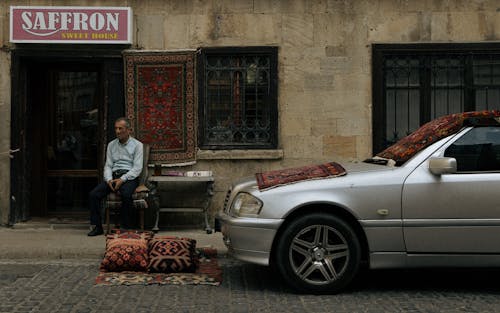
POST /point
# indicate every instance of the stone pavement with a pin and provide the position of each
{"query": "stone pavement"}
(52, 268)
(68, 286)
(46, 240)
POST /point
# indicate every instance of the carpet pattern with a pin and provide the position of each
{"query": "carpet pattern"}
(277, 178)
(435, 130)
(160, 103)
(208, 272)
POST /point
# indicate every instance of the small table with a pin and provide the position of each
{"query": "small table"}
(208, 180)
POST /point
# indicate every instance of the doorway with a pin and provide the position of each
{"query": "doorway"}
(67, 110)
(63, 105)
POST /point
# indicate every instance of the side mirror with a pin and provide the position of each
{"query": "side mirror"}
(440, 166)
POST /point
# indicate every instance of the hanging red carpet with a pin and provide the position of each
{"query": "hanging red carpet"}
(160, 103)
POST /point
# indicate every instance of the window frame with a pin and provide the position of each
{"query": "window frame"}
(269, 51)
(381, 51)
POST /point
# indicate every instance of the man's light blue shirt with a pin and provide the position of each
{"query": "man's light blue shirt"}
(127, 156)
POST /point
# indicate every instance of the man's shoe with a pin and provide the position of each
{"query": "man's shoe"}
(96, 231)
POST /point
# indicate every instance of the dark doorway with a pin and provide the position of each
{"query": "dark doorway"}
(67, 111)
(63, 105)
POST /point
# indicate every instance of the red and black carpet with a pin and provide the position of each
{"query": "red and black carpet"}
(282, 177)
(208, 272)
(160, 103)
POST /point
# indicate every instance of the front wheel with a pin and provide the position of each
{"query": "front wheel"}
(318, 253)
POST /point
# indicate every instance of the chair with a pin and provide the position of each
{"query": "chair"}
(113, 200)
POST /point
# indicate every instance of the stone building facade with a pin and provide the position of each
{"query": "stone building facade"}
(332, 71)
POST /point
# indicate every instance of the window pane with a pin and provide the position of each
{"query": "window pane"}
(486, 72)
(238, 100)
(447, 86)
(436, 81)
(402, 98)
(478, 150)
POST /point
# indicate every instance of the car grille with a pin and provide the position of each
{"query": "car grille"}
(226, 201)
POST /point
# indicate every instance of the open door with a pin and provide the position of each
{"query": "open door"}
(61, 110)
(68, 112)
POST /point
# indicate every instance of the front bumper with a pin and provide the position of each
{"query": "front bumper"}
(249, 239)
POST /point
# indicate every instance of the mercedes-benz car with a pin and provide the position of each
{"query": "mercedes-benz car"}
(430, 200)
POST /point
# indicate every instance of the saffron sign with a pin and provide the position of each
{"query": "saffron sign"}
(103, 25)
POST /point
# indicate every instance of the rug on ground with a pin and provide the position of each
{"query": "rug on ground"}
(140, 258)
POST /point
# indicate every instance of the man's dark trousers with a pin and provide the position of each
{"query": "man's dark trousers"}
(102, 190)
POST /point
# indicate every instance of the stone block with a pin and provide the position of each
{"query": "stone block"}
(232, 29)
(304, 60)
(339, 147)
(292, 78)
(322, 125)
(4, 26)
(335, 51)
(150, 31)
(354, 81)
(341, 64)
(297, 31)
(318, 81)
(177, 31)
(463, 26)
(235, 6)
(397, 27)
(299, 125)
(440, 26)
(329, 30)
(353, 126)
(200, 29)
(302, 147)
(289, 7)
(258, 29)
(364, 147)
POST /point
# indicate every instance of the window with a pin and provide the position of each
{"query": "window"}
(413, 84)
(238, 98)
(477, 150)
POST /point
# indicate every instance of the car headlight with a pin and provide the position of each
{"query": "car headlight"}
(245, 204)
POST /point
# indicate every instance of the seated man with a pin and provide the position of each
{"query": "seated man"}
(123, 166)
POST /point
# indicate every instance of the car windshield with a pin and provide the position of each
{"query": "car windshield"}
(407, 147)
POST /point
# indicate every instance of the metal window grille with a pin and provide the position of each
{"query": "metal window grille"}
(415, 85)
(238, 99)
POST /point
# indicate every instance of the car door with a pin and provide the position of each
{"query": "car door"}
(458, 212)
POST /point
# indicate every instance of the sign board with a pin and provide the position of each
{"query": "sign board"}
(101, 25)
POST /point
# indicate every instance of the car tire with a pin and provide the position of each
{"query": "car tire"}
(318, 253)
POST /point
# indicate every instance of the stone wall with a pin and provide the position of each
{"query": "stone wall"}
(324, 62)
(4, 137)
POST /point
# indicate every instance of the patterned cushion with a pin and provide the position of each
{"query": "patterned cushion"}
(129, 234)
(126, 251)
(172, 254)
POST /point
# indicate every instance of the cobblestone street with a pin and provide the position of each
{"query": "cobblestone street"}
(68, 286)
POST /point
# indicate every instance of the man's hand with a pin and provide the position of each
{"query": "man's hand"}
(115, 184)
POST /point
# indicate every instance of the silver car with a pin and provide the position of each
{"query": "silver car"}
(430, 200)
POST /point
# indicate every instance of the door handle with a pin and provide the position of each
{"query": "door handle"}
(11, 151)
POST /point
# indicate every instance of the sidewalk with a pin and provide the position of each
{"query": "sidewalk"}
(46, 240)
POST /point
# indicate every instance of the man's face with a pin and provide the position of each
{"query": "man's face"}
(121, 131)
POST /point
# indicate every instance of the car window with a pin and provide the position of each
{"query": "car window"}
(477, 150)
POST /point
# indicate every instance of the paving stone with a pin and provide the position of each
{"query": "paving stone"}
(65, 287)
